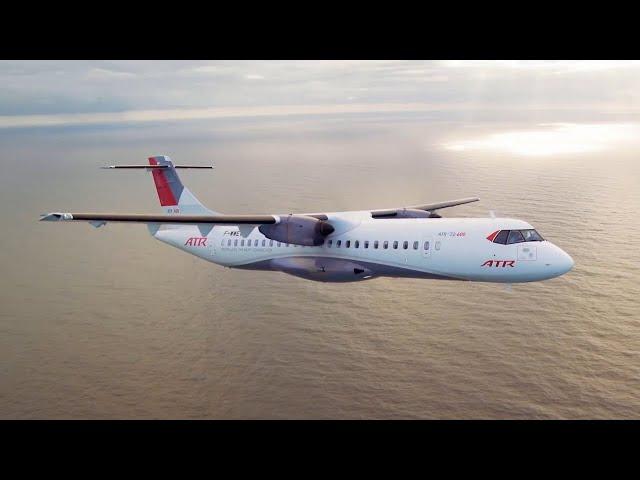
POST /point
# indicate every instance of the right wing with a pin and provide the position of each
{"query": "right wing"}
(427, 207)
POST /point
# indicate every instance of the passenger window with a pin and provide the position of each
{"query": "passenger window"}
(338, 243)
(357, 244)
(329, 243)
(405, 245)
(229, 243)
(395, 244)
(242, 242)
(255, 242)
(501, 237)
(426, 245)
(415, 245)
(375, 244)
(515, 236)
(271, 243)
(437, 244)
(347, 244)
(385, 245)
(366, 244)
(279, 244)
(235, 242)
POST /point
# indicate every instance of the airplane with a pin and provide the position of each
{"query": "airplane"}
(413, 241)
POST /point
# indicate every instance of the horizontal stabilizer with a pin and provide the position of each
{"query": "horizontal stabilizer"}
(98, 219)
(157, 167)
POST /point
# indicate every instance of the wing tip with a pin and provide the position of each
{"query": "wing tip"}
(55, 217)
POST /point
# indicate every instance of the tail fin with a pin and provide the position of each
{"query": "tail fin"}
(173, 195)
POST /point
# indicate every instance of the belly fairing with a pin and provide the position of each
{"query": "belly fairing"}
(326, 269)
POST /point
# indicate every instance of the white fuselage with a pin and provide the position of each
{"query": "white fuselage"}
(362, 247)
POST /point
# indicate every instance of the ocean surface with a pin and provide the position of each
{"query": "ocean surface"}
(109, 323)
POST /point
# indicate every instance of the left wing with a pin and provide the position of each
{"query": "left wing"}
(99, 219)
(297, 229)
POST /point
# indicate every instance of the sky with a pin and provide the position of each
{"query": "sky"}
(579, 104)
(96, 88)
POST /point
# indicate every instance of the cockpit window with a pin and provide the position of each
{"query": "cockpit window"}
(515, 236)
(507, 237)
(501, 237)
(532, 236)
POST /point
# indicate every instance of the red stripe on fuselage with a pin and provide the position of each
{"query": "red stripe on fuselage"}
(493, 235)
(162, 186)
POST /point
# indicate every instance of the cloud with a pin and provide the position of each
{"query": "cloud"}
(206, 69)
(529, 140)
(106, 74)
(133, 116)
(518, 87)
(553, 66)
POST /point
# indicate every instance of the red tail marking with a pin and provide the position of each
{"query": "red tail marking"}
(493, 235)
(162, 186)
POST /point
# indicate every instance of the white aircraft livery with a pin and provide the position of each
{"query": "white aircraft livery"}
(411, 241)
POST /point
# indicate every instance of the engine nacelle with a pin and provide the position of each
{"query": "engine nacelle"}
(404, 213)
(298, 230)
(413, 213)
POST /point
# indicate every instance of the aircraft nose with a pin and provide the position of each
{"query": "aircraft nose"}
(565, 263)
(559, 261)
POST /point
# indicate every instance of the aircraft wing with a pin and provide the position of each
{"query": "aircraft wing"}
(427, 207)
(98, 219)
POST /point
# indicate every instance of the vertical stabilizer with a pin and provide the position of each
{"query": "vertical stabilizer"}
(174, 197)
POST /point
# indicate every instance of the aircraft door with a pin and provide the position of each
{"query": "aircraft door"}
(211, 243)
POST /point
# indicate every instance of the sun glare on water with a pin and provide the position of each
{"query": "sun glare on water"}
(553, 139)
